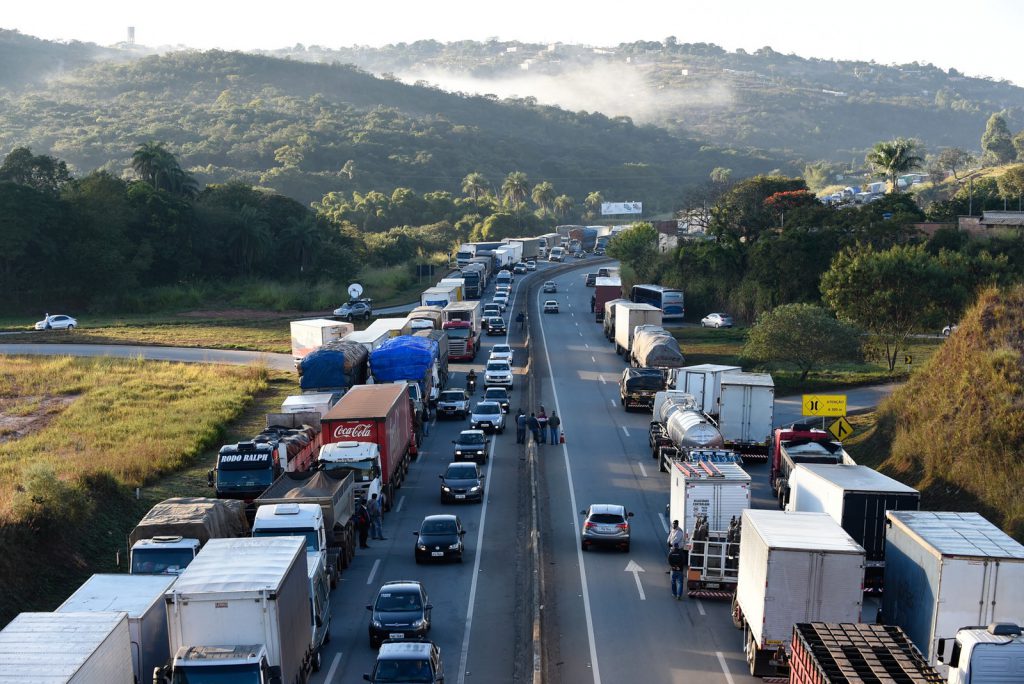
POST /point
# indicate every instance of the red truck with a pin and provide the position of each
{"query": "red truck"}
(462, 322)
(376, 414)
(605, 290)
(801, 443)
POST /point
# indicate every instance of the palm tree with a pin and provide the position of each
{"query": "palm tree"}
(150, 161)
(543, 196)
(593, 203)
(563, 205)
(894, 157)
(302, 238)
(474, 185)
(252, 238)
(515, 188)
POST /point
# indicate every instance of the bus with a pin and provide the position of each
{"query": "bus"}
(668, 299)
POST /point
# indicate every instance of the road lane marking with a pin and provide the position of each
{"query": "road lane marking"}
(373, 571)
(401, 501)
(476, 573)
(334, 668)
(624, 428)
(663, 522)
(601, 378)
(591, 640)
(587, 346)
(613, 403)
(635, 568)
(700, 607)
(725, 668)
(643, 471)
(593, 359)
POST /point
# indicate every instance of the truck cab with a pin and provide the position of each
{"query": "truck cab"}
(163, 555)
(243, 664)
(319, 606)
(801, 443)
(985, 654)
(362, 458)
(295, 520)
(244, 470)
(463, 340)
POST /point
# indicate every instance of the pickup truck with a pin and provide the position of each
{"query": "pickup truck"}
(453, 403)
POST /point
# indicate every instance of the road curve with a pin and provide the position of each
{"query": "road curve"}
(281, 362)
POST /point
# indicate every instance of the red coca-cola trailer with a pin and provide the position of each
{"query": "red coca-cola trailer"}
(376, 414)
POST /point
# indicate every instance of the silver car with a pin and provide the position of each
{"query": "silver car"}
(57, 322)
(716, 320)
(605, 525)
(488, 416)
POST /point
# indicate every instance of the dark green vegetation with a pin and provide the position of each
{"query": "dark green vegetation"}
(808, 108)
(956, 429)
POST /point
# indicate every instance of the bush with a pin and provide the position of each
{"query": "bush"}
(48, 504)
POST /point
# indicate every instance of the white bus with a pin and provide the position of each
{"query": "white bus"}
(668, 299)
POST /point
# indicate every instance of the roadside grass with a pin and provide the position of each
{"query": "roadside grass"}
(263, 336)
(725, 346)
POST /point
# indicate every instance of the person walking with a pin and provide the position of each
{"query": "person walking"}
(376, 518)
(520, 427)
(362, 523)
(542, 423)
(554, 422)
(593, 303)
(675, 536)
(678, 559)
(534, 426)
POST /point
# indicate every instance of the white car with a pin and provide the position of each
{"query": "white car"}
(502, 352)
(501, 300)
(57, 322)
(716, 320)
(503, 288)
(531, 265)
(550, 286)
(487, 416)
(946, 332)
(498, 374)
(551, 306)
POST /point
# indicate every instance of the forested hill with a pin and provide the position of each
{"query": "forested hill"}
(807, 108)
(27, 59)
(306, 129)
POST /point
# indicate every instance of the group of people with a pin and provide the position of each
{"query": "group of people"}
(678, 560)
(369, 519)
(539, 425)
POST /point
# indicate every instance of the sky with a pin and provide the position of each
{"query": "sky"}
(978, 38)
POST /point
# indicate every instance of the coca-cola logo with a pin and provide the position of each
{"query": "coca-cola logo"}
(345, 432)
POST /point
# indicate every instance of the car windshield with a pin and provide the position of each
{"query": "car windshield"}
(497, 366)
(606, 518)
(496, 321)
(496, 393)
(395, 601)
(461, 471)
(485, 409)
(501, 349)
(453, 396)
(403, 670)
(471, 438)
(438, 527)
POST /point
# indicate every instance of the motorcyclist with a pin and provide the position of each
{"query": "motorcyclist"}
(471, 381)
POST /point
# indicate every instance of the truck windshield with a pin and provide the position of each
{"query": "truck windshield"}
(365, 469)
(160, 561)
(311, 537)
(460, 333)
(244, 479)
(220, 674)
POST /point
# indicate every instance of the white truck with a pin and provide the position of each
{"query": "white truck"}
(746, 413)
(66, 648)
(793, 568)
(362, 459)
(708, 500)
(313, 402)
(309, 335)
(438, 296)
(371, 339)
(985, 655)
(704, 382)
(142, 598)
(170, 535)
(241, 610)
(945, 571)
(393, 327)
(458, 283)
(628, 315)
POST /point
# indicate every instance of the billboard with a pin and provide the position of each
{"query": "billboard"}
(614, 208)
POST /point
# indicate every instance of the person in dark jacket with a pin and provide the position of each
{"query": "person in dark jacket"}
(521, 427)
(553, 424)
(534, 426)
(362, 523)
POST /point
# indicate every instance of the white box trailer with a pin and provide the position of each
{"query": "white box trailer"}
(314, 402)
(704, 382)
(142, 598)
(628, 315)
(438, 296)
(793, 567)
(719, 491)
(66, 648)
(371, 339)
(309, 335)
(946, 570)
(251, 593)
(459, 285)
(746, 412)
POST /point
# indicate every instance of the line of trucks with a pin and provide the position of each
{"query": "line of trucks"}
(950, 585)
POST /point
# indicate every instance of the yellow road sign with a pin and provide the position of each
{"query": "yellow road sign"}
(824, 405)
(841, 429)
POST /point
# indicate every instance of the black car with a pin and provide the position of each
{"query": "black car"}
(496, 326)
(400, 611)
(439, 538)
(462, 482)
(591, 280)
(407, 662)
(498, 394)
(471, 446)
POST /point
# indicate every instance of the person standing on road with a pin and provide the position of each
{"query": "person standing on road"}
(521, 427)
(677, 562)
(376, 518)
(542, 423)
(675, 536)
(554, 422)
(534, 427)
(593, 303)
(362, 522)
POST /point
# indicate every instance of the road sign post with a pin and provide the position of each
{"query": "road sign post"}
(841, 429)
(824, 405)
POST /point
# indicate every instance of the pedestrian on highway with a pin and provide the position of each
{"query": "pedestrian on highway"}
(678, 559)
(534, 426)
(520, 427)
(362, 522)
(554, 422)
(675, 536)
(376, 517)
(593, 303)
(542, 423)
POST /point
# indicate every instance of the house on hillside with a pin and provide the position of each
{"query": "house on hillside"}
(992, 222)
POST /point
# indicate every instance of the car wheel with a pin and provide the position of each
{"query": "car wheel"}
(703, 324)
(584, 547)
(70, 328)
(625, 547)
(418, 560)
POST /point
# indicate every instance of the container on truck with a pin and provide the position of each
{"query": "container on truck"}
(945, 571)
(336, 366)
(655, 347)
(638, 387)
(475, 280)
(704, 382)
(678, 427)
(793, 568)
(426, 318)
(746, 413)
(379, 415)
(317, 403)
(530, 247)
(436, 296)
(457, 282)
(392, 326)
(170, 535)
(441, 338)
(241, 610)
(857, 498)
(628, 315)
(985, 655)
(409, 360)
(608, 322)
(488, 265)
(605, 290)
(310, 335)
(317, 506)
(368, 339)
(67, 648)
(801, 443)
(829, 653)
(141, 597)
(320, 611)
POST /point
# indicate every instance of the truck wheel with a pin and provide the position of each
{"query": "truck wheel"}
(316, 661)
(737, 614)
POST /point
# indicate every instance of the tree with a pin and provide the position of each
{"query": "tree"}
(475, 185)
(563, 206)
(1018, 144)
(740, 215)
(951, 160)
(720, 175)
(996, 141)
(805, 335)
(894, 158)
(155, 164)
(818, 174)
(593, 204)
(543, 196)
(890, 294)
(515, 189)
(637, 247)
(1011, 184)
(43, 173)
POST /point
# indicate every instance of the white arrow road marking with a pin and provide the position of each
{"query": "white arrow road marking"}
(635, 568)
(700, 607)
(593, 359)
